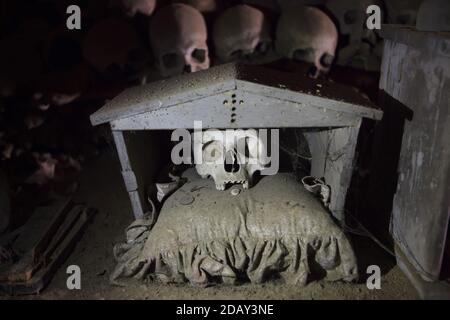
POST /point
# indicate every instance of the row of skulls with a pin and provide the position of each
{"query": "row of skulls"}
(178, 35)
(244, 32)
(256, 31)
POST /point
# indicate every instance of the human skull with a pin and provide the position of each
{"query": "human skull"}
(307, 34)
(287, 4)
(45, 171)
(267, 5)
(204, 6)
(352, 17)
(402, 11)
(131, 7)
(361, 56)
(242, 33)
(359, 42)
(229, 156)
(434, 15)
(178, 37)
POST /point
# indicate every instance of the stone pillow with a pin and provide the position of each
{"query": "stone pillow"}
(276, 229)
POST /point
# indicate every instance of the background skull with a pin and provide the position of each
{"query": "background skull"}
(229, 156)
(352, 17)
(360, 45)
(204, 6)
(286, 4)
(131, 7)
(434, 15)
(242, 33)
(307, 34)
(402, 11)
(266, 5)
(178, 37)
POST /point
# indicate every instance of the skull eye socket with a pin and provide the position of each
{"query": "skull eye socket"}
(262, 47)
(171, 60)
(199, 55)
(237, 54)
(212, 151)
(303, 54)
(350, 17)
(246, 147)
(326, 60)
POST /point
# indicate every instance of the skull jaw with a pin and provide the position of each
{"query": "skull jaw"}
(222, 185)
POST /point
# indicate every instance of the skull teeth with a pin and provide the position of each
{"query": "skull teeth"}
(222, 186)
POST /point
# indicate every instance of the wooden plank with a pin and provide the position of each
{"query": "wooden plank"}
(40, 228)
(54, 259)
(42, 244)
(34, 240)
(436, 42)
(22, 270)
(333, 153)
(31, 261)
(419, 78)
(65, 228)
(122, 151)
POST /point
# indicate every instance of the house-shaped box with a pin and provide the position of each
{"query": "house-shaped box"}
(236, 96)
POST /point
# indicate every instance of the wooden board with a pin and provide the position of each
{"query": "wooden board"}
(417, 74)
(33, 272)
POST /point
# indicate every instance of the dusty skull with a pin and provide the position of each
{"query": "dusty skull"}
(131, 7)
(359, 41)
(204, 6)
(434, 15)
(402, 11)
(352, 17)
(287, 4)
(267, 5)
(229, 156)
(178, 37)
(242, 33)
(307, 34)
